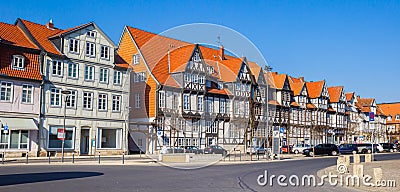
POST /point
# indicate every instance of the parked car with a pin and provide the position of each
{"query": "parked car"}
(256, 150)
(215, 149)
(367, 148)
(192, 149)
(175, 150)
(348, 148)
(322, 149)
(389, 147)
(296, 149)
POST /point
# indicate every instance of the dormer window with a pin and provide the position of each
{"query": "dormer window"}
(389, 118)
(18, 62)
(397, 117)
(91, 34)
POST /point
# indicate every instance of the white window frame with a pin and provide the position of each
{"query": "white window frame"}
(105, 52)
(57, 68)
(88, 98)
(137, 100)
(55, 97)
(8, 88)
(28, 88)
(102, 101)
(200, 103)
(89, 76)
(75, 45)
(67, 129)
(118, 138)
(103, 75)
(71, 99)
(18, 62)
(73, 70)
(8, 140)
(117, 77)
(90, 49)
(116, 103)
(91, 34)
(136, 59)
(186, 102)
(161, 99)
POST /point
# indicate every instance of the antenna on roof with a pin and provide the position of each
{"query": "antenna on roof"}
(219, 39)
(51, 21)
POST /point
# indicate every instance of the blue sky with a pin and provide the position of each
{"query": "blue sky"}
(351, 43)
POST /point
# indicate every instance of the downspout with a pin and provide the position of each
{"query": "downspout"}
(42, 100)
(169, 62)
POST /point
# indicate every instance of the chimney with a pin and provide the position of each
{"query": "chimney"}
(222, 52)
(302, 79)
(50, 24)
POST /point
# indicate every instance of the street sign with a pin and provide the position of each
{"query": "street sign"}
(361, 137)
(371, 116)
(276, 134)
(5, 128)
(159, 133)
(282, 130)
(60, 134)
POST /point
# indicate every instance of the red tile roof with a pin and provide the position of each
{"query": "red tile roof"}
(219, 91)
(349, 96)
(335, 93)
(295, 85)
(391, 109)
(13, 35)
(294, 104)
(273, 102)
(315, 89)
(255, 69)
(279, 79)
(365, 102)
(311, 106)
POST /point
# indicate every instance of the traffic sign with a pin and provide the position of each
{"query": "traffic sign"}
(159, 132)
(276, 134)
(60, 134)
(5, 128)
(282, 130)
(371, 116)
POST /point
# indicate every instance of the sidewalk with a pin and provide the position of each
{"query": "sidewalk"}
(390, 171)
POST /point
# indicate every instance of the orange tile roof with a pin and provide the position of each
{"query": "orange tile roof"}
(255, 69)
(391, 109)
(41, 33)
(279, 79)
(270, 79)
(349, 96)
(273, 102)
(13, 35)
(219, 91)
(380, 112)
(330, 109)
(335, 93)
(294, 104)
(365, 102)
(311, 106)
(295, 85)
(315, 88)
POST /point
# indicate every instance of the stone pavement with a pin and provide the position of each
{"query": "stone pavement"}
(390, 172)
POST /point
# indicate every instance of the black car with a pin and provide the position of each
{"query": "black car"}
(322, 149)
(389, 147)
(348, 148)
(192, 149)
(215, 149)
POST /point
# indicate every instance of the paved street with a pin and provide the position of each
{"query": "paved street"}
(241, 177)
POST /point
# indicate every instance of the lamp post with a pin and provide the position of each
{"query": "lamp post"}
(66, 93)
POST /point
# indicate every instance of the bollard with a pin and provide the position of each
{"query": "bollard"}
(358, 170)
(368, 158)
(2, 158)
(99, 157)
(229, 157)
(140, 153)
(356, 158)
(49, 156)
(26, 158)
(123, 157)
(377, 174)
(240, 155)
(73, 157)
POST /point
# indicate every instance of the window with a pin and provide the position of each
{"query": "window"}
(200, 103)
(71, 99)
(16, 139)
(6, 91)
(201, 79)
(397, 117)
(175, 101)
(90, 49)
(18, 62)
(109, 138)
(102, 102)
(74, 45)
(236, 107)
(91, 34)
(237, 86)
(55, 97)
(89, 73)
(57, 68)
(196, 125)
(116, 103)
(139, 77)
(117, 77)
(72, 70)
(161, 99)
(186, 104)
(27, 93)
(137, 100)
(87, 100)
(136, 59)
(188, 78)
(222, 106)
(104, 52)
(208, 84)
(103, 75)
(55, 143)
(194, 78)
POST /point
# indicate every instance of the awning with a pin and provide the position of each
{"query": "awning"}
(19, 123)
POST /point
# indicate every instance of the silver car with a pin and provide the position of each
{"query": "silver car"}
(298, 148)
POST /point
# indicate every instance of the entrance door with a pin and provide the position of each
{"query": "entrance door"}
(85, 141)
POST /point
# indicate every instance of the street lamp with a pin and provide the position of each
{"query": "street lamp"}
(66, 93)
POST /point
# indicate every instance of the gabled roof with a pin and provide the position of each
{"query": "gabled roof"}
(380, 112)
(391, 109)
(279, 79)
(349, 96)
(255, 69)
(335, 93)
(365, 102)
(315, 88)
(295, 85)
(311, 106)
(270, 80)
(13, 35)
